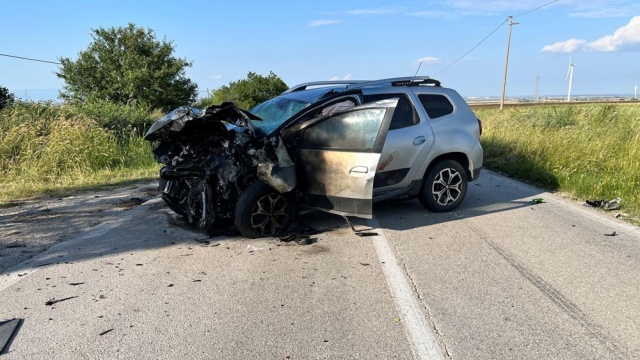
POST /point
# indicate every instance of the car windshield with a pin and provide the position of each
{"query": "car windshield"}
(276, 111)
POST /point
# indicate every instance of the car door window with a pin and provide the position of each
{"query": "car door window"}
(353, 131)
(405, 114)
(436, 105)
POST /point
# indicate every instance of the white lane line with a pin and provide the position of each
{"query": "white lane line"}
(423, 341)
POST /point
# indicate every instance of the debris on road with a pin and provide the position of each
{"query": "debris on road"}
(537, 201)
(615, 233)
(252, 248)
(54, 301)
(611, 205)
(8, 331)
(106, 332)
(76, 283)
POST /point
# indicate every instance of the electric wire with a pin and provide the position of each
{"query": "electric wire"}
(30, 59)
(496, 29)
(538, 8)
(473, 48)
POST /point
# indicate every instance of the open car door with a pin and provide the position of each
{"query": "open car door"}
(338, 157)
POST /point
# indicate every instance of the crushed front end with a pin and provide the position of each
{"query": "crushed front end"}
(211, 157)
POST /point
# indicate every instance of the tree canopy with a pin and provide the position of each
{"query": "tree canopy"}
(249, 92)
(127, 65)
(6, 98)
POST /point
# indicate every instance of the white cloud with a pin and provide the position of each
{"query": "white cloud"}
(433, 14)
(376, 11)
(346, 77)
(316, 23)
(608, 12)
(625, 38)
(566, 46)
(217, 77)
(428, 60)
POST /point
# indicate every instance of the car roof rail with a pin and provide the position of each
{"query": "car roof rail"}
(400, 81)
(357, 84)
(304, 86)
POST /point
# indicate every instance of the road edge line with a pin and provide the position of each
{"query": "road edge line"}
(419, 333)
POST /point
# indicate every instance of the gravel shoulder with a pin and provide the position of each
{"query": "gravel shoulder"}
(29, 227)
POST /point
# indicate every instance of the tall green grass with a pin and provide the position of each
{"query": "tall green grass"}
(53, 148)
(585, 151)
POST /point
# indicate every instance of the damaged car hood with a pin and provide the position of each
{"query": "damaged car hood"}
(176, 120)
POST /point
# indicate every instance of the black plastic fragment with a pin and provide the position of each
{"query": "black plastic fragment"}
(55, 301)
(76, 283)
(106, 332)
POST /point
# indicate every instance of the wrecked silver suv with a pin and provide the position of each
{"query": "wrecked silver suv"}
(331, 146)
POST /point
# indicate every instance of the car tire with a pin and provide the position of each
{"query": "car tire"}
(261, 211)
(444, 186)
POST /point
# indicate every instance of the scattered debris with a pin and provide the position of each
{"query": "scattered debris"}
(76, 283)
(365, 264)
(615, 233)
(537, 201)
(170, 285)
(54, 301)
(23, 274)
(106, 332)
(197, 280)
(611, 205)
(8, 332)
(252, 248)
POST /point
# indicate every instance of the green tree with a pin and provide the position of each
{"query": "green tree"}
(6, 98)
(127, 65)
(249, 92)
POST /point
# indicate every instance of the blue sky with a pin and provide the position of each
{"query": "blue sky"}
(307, 41)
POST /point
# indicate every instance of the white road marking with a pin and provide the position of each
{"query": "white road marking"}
(423, 341)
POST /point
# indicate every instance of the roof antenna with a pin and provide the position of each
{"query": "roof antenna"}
(418, 68)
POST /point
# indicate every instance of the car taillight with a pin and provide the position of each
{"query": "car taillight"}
(479, 125)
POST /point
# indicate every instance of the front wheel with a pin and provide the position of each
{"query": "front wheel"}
(444, 186)
(262, 211)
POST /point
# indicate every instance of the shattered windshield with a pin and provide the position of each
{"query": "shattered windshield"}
(276, 111)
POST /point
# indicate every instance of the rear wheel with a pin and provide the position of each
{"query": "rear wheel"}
(262, 211)
(444, 187)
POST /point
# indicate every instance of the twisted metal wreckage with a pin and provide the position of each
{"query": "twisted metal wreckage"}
(210, 157)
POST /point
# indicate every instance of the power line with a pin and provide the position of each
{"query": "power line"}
(25, 58)
(538, 8)
(473, 48)
(491, 33)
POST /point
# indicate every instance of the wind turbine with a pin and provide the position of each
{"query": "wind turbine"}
(635, 92)
(570, 77)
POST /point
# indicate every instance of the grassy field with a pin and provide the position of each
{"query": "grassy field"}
(50, 149)
(584, 151)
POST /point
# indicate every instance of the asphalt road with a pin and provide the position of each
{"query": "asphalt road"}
(497, 279)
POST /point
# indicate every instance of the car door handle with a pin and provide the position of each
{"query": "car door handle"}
(419, 140)
(359, 170)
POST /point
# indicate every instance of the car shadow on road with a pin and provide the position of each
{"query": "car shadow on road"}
(154, 226)
(492, 193)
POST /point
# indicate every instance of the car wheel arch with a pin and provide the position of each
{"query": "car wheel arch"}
(459, 157)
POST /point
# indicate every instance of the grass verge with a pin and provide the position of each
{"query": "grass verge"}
(52, 149)
(585, 151)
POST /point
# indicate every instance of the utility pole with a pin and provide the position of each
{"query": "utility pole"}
(506, 63)
(537, 91)
(635, 92)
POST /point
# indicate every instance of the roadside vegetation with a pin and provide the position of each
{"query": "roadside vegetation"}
(47, 148)
(584, 151)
